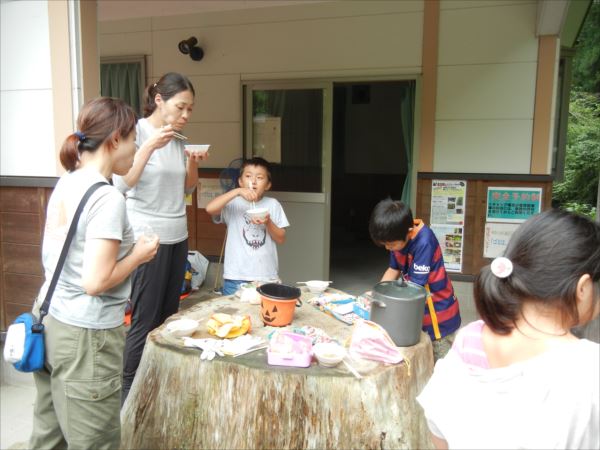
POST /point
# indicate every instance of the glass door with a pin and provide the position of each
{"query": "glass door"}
(289, 124)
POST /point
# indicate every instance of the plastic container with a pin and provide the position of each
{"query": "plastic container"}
(289, 349)
(278, 303)
(361, 312)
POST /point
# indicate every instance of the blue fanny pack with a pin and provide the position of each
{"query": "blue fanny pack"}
(33, 347)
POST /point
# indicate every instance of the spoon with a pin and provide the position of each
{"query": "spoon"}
(250, 187)
(304, 282)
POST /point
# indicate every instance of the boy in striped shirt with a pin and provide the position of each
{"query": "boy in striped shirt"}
(415, 253)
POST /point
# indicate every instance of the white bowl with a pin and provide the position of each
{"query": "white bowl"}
(329, 354)
(317, 286)
(197, 149)
(182, 327)
(257, 213)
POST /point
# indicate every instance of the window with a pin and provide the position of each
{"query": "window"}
(287, 130)
(124, 77)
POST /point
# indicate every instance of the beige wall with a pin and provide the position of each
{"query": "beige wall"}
(40, 93)
(321, 40)
(485, 79)
(486, 86)
(26, 91)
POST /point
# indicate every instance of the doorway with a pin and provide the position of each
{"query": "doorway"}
(371, 145)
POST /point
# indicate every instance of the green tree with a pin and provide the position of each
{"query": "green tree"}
(579, 189)
(586, 62)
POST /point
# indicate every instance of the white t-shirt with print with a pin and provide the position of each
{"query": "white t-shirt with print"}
(103, 217)
(250, 252)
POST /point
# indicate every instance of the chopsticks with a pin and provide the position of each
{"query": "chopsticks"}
(179, 136)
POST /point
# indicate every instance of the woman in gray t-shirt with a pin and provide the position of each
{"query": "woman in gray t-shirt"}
(78, 396)
(155, 187)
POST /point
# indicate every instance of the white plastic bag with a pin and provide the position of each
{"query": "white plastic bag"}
(199, 268)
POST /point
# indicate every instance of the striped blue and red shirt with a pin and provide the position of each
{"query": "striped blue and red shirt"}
(421, 262)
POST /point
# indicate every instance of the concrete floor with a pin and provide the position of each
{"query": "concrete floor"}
(355, 269)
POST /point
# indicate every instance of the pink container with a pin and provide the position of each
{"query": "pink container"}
(290, 349)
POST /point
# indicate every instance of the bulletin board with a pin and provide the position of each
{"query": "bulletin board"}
(476, 250)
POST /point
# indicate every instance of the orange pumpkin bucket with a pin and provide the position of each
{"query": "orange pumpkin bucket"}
(277, 303)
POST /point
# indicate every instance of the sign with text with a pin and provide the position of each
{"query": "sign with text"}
(512, 204)
(448, 201)
(496, 237)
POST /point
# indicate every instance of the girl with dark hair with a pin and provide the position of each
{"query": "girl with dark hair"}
(519, 378)
(78, 394)
(155, 187)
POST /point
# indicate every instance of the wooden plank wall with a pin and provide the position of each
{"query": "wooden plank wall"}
(22, 220)
(475, 213)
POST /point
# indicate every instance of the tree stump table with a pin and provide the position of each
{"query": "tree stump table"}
(180, 401)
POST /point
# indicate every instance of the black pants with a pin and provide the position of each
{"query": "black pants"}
(155, 291)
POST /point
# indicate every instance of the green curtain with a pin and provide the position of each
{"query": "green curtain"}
(407, 109)
(122, 80)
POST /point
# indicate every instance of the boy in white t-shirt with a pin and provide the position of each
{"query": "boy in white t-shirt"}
(251, 247)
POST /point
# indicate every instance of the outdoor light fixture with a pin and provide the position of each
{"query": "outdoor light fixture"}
(190, 47)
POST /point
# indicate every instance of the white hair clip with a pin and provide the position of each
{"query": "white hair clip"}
(502, 267)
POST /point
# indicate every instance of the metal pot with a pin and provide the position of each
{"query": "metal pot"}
(398, 306)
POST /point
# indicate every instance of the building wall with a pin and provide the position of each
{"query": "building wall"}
(486, 75)
(487, 65)
(26, 91)
(321, 40)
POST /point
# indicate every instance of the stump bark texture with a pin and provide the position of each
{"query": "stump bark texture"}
(179, 401)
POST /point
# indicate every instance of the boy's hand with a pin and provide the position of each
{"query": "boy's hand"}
(248, 194)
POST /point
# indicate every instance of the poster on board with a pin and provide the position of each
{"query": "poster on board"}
(208, 188)
(450, 238)
(495, 238)
(448, 199)
(512, 204)
(448, 203)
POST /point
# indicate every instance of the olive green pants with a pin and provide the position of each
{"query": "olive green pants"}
(79, 394)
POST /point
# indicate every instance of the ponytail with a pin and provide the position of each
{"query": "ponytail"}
(99, 120)
(69, 154)
(148, 99)
(495, 302)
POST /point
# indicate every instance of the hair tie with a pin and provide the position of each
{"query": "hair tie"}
(80, 135)
(501, 267)
(154, 85)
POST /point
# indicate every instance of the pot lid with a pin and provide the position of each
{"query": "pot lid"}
(399, 290)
